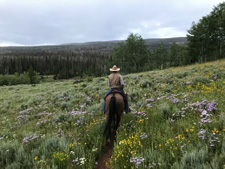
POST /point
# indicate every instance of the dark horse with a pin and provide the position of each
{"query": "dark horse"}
(114, 110)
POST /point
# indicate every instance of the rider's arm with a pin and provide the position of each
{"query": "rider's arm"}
(121, 81)
(109, 83)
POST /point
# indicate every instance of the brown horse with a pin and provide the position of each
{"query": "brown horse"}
(114, 110)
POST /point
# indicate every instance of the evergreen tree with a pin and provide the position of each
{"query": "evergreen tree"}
(131, 55)
(32, 75)
(206, 39)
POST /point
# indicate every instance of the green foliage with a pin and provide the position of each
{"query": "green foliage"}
(133, 54)
(25, 78)
(167, 110)
(200, 80)
(176, 121)
(206, 38)
(12, 155)
(195, 159)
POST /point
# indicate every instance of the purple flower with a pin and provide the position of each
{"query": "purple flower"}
(74, 113)
(144, 135)
(137, 161)
(202, 131)
(75, 160)
(30, 138)
(149, 105)
(142, 113)
(188, 82)
(211, 106)
(174, 99)
(22, 117)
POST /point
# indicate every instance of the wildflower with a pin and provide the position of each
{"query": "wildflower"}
(75, 160)
(30, 138)
(188, 82)
(94, 149)
(72, 152)
(137, 161)
(36, 158)
(149, 105)
(144, 136)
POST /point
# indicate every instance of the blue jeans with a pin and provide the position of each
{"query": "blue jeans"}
(126, 103)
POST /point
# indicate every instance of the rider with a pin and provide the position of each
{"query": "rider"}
(115, 81)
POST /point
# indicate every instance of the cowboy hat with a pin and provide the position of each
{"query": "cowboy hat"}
(114, 69)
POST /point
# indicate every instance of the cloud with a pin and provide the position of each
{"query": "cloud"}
(31, 22)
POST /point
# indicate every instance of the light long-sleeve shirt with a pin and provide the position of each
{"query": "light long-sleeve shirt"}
(115, 80)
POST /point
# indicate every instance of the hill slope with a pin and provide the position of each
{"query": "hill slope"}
(98, 46)
(177, 121)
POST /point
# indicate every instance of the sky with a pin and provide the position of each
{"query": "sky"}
(52, 22)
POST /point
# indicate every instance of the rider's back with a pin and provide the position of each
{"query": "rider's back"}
(115, 80)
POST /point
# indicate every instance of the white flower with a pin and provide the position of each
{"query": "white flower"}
(94, 149)
(71, 152)
(82, 160)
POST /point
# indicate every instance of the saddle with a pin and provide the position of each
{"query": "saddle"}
(119, 92)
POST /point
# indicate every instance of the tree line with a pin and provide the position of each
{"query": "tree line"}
(133, 55)
(207, 37)
(62, 65)
(206, 42)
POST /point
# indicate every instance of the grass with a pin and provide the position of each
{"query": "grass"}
(177, 120)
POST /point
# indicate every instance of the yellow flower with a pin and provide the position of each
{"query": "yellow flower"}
(36, 158)
(191, 129)
(179, 136)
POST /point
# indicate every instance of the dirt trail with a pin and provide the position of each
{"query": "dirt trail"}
(105, 157)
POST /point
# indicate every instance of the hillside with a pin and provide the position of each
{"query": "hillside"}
(95, 46)
(177, 121)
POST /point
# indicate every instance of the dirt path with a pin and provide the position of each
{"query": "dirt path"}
(105, 157)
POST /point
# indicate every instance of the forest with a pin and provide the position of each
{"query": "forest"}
(205, 41)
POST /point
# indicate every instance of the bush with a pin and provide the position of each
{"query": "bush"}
(167, 110)
(13, 156)
(201, 80)
(18, 79)
(194, 159)
(146, 83)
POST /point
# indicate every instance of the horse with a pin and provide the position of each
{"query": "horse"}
(114, 110)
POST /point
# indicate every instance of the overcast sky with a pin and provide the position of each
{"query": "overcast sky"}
(44, 22)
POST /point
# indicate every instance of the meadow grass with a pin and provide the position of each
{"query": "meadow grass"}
(177, 121)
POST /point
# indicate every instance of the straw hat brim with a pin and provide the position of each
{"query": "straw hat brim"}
(114, 70)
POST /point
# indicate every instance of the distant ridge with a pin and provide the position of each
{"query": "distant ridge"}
(94, 46)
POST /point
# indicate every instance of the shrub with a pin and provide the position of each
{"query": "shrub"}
(201, 80)
(167, 110)
(146, 83)
(194, 159)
